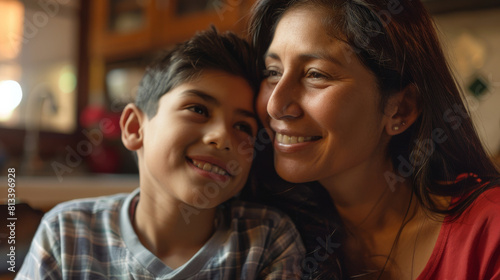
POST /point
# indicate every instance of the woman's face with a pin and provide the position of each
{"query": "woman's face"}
(321, 103)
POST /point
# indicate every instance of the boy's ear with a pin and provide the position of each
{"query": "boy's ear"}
(403, 108)
(131, 124)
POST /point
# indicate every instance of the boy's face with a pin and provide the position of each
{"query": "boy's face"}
(198, 148)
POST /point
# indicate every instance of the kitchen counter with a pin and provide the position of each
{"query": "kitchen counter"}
(44, 192)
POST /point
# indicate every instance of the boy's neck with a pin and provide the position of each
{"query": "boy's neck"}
(165, 231)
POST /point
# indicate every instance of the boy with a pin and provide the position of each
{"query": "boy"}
(192, 125)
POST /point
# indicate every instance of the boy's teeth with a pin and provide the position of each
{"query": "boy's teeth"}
(209, 167)
(285, 139)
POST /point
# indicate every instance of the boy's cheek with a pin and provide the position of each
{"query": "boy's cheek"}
(234, 168)
(245, 150)
(262, 100)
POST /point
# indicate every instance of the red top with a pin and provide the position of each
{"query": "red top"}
(469, 248)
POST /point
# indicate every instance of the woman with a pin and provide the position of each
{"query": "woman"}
(359, 100)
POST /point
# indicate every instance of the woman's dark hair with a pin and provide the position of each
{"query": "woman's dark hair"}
(207, 50)
(397, 42)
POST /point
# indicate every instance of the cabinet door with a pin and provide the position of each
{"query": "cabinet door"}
(178, 20)
(121, 27)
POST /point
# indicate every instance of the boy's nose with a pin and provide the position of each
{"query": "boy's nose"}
(218, 138)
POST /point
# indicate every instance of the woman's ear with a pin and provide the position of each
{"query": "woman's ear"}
(403, 109)
(131, 124)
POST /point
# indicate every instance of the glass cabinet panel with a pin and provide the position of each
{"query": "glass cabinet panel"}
(186, 7)
(126, 16)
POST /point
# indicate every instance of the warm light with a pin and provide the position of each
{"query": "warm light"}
(11, 28)
(67, 80)
(10, 97)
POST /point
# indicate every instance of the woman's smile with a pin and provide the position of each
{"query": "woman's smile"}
(323, 124)
(288, 139)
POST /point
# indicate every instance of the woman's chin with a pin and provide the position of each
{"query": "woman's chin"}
(295, 174)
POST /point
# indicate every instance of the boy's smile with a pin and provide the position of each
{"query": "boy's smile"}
(209, 168)
(192, 147)
(206, 166)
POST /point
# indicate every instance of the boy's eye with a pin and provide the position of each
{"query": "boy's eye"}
(245, 127)
(199, 109)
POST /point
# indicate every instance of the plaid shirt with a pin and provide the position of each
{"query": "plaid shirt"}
(94, 239)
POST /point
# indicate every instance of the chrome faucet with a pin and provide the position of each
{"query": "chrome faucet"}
(34, 111)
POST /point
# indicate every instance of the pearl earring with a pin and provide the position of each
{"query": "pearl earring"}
(396, 127)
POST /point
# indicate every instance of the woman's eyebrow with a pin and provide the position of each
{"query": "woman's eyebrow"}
(321, 56)
(309, 56)
(271, 55)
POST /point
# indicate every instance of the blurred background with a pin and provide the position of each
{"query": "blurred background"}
(67, 67)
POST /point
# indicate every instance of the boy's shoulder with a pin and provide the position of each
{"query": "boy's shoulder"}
(256, 214)
(84, 209)
(92, 204)
(266, 230)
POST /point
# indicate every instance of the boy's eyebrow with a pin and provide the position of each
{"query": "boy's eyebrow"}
(214, 101)
(202, 95)
(246, 113)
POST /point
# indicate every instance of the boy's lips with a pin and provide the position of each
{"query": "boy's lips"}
(211, 165)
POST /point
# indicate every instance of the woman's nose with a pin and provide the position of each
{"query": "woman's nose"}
(284, 100)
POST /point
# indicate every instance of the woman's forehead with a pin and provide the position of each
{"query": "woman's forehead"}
(302, 31)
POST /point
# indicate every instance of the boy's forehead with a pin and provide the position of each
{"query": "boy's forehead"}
(219, 88)
(211, 76)
(216, 73)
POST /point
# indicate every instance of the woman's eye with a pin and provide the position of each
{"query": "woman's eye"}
(247, 128)
(198, 109)
(272, 74)
(316, 75)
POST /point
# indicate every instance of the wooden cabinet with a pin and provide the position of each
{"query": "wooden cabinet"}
(178, 22)
(127, 34)
(120, 27)
(128, 28)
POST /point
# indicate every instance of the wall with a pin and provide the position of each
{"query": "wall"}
(472, 42)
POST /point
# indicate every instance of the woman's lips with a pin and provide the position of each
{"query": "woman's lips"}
(285, 143)
(289, 139)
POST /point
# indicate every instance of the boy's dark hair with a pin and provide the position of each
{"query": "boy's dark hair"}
(207, 50)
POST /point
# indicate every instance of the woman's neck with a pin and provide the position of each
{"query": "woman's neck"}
(384, 224)
(367, 200)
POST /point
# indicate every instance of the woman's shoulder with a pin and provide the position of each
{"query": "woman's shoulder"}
(473, 234)
(483, 212)
(488, 202)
